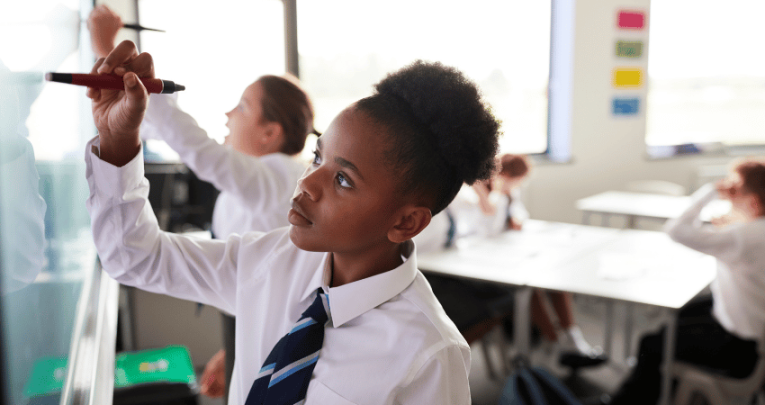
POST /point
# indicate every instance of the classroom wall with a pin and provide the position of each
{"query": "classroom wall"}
(163, 320)
(607, 152)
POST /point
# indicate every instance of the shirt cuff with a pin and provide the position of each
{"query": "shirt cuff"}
(109, 179)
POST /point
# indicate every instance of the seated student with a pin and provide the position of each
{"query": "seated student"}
(488, 208)
(384, 166)
(718, 332)
(500, 199)
(478, 210)
(472, 305)
(256, 171)
(514, 171)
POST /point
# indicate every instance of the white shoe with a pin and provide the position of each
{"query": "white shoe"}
(572, 340)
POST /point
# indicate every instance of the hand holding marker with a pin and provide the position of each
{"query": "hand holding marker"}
(140, 28)
(112, 82)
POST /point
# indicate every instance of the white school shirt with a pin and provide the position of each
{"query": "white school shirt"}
(469, 219)
(255, 191)
(738, 291)
(389, 341)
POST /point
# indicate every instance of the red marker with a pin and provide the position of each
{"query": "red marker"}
(112, 82)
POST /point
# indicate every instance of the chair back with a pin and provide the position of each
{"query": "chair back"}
(718, 389)
(752, 383)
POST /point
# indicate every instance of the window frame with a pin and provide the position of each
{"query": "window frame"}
(691, 149)
(558, 149)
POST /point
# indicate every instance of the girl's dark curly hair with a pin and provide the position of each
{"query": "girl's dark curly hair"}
(440, 132)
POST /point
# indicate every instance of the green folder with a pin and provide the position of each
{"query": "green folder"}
(48, 375)
(171, 364)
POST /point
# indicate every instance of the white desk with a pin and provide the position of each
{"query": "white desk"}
(512, 257)
(643, 205)
(625, 265)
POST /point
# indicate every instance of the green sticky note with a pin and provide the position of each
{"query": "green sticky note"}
(629, 49)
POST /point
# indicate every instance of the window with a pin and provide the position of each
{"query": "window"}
(707, 75)
(46, 250)
(346, 46)
(215, 51)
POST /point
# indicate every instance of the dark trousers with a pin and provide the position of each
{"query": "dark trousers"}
(700, 340)
(467, 302)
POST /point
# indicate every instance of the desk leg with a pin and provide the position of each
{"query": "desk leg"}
(522, 323)
(631, 222)
(669, 358)
(608, 333)
(127, 321)
(628, 319)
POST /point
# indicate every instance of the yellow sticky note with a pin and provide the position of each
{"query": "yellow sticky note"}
(628, 77)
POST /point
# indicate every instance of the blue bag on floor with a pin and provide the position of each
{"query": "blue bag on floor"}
(536, 386)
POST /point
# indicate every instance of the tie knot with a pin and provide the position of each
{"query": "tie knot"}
(319, 309)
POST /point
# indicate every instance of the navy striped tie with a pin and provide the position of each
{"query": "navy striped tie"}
(285, 374)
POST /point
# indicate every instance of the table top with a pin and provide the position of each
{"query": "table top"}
(628, 265)
(647, 205)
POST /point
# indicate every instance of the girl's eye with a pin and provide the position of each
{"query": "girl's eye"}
(342, 181)
(316, 158)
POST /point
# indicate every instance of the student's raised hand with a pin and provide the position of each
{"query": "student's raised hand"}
(482, 190)
(117, 113)
(482, 187)
(725, 188)
(514, 225)
(103, 24)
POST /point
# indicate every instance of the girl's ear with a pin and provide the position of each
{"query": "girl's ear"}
(411, 221)
(272, 138)
(273, 131)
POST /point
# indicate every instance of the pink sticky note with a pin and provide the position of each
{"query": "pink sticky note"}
(631, 19)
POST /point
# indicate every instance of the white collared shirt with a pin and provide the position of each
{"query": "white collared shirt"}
(470, 219)
(255, 191)
(389, 341)
(738, 290)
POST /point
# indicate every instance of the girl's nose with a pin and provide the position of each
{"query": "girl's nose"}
(309, 183)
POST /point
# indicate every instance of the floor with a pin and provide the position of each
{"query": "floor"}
(588, 383)
(590, 314)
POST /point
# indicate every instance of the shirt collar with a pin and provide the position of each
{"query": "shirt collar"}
(351, 300)
(318, 280)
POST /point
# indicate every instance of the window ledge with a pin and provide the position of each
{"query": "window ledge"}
(701, 150)
(544, 159)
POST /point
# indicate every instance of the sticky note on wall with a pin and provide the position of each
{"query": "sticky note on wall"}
(629, 49)
(631, 19)
(625, 106)
(628, 77)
